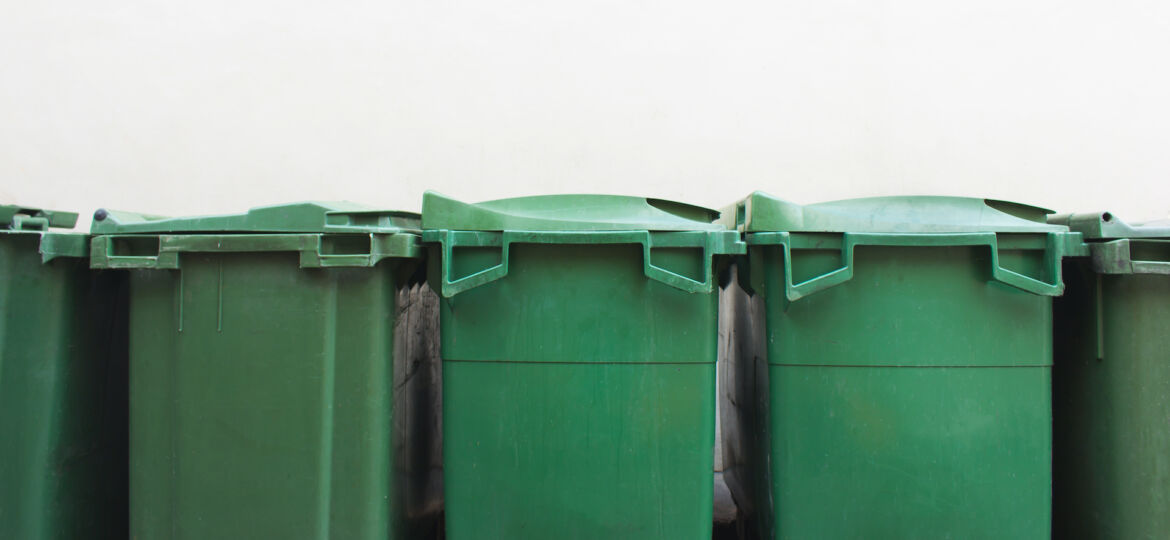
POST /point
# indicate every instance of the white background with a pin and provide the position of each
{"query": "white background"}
(216, 106)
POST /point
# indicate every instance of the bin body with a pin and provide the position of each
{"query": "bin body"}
(910, 399)
(912, 402)
(578, 394)
(62, 391)
(262, 382)
(1112, 388)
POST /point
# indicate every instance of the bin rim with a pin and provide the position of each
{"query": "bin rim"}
(29, 218)
(1107, 226)
(574, 212)
(708, 244)
(297, 217)
(912, 214)
(28, 221)
(315, 250)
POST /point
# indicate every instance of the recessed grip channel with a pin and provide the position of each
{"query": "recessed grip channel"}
(1053, 253)
(708, 243)
(316, 250)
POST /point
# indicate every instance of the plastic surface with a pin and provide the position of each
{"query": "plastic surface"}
(269, 375)
(761, 212)
(1112, 385)
(62, 385)
(702, 247)
(25, 218)
(566, 213)
(1118, 247)
(307, 217)
(578, 368)
(1046, 282)
(1106, 226)
(894, 384)
(1131, 256)
(311, 250)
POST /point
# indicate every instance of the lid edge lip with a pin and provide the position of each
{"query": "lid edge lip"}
(568, 195)
(1103, 226)
(761, 193)
(896, 214)
(116, 222)
(594, 212)
(712, 229)
(50, 232)
(937, 231)
(54, 219)
(258, 232)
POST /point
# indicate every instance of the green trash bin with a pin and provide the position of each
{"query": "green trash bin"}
(62, 384)
(898, 385)
(1111, 383)
(267, 360)
(578, 345)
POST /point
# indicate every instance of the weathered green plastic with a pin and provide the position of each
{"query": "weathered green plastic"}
(35, 219)
(578, 365)
(1097, 226)
(62, 384)
(898, 384)
(263, 371)
(1112, 384)
(761, 212)
(304, 217)
(567, 213)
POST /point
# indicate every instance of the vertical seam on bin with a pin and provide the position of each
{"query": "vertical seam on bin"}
(219, 301)
(1100, 316)
(40, 495)
(325, 466)
(5, 293)
(180, 300)
(173, 392)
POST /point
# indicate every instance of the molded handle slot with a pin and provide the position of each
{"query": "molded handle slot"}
(449, 240)
(316, 250)
(130, 251)
(1132, 256)
(1053, 253)
(452, 287)
(339, 250)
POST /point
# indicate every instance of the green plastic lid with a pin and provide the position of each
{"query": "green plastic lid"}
(566, 213)
(26, 218)
(1106, 226)
(305, 217)
(761, 212)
